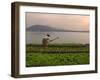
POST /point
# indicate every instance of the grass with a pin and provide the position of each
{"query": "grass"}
(65, 54)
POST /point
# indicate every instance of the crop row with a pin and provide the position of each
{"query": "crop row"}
(33, 59)
(56, 49)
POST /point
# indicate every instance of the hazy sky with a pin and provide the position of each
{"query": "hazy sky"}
(68, 21)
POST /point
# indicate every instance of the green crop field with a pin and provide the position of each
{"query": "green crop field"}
(56, 54)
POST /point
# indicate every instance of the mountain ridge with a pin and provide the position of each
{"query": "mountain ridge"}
(45, 28)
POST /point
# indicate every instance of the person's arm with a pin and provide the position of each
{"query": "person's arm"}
(53, 39)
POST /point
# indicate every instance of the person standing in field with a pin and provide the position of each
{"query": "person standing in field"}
(45, 41)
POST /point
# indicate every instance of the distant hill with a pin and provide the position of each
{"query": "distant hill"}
(44, 28)
(40, 28)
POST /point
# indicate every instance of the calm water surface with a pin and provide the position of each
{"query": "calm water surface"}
(64, 37)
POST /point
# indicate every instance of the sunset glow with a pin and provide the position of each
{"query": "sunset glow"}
(68, 21)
